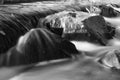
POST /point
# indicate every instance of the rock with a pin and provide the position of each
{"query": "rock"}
(38, 45)
(98, 29)
(70, 21)
(111, 59)
(107, 11)
(80, 26)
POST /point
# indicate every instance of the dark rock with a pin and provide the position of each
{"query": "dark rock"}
(82, 26)
(107, 11)
(98, 29)
(38, 45)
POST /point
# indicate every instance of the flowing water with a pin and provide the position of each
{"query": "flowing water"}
(83, 68)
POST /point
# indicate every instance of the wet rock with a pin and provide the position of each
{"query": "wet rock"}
(111, 59)
(38, 45)
(80, 26)
(98, 29)
(107, 11)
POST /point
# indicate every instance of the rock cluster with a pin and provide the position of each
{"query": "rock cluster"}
(80, 26)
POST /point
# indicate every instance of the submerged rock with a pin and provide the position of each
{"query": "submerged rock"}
(38, 45)
(80, 26)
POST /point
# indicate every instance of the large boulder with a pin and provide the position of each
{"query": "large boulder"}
(98, 29)
(80, 26)
(38, 45)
